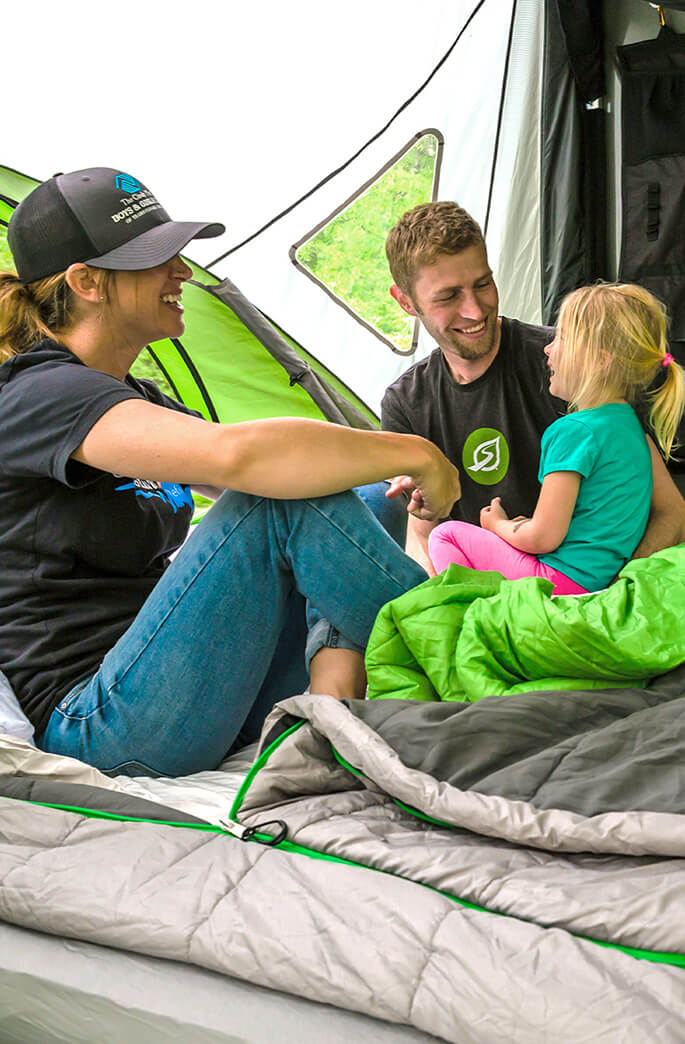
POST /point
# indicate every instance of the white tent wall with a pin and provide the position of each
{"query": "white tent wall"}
(232, 113)
(513, 231)
(223, 108)
(463, 103)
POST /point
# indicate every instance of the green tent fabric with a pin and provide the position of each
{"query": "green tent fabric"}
(464, 635)
(232, 364)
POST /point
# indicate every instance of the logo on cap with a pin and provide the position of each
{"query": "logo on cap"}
(125, 183)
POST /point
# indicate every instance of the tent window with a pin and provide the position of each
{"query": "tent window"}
(6, 262)
(146, 366)
(345, 254)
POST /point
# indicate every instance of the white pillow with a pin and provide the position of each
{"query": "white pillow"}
(12, 718)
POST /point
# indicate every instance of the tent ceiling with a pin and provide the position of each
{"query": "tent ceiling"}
(232, 112)
(229, 110)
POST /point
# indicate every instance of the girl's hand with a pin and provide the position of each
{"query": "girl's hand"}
(491, 515)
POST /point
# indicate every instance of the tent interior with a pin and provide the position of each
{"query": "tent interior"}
(308, 133)
(514, 109)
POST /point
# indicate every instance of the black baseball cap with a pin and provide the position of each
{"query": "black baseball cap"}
(100, 216)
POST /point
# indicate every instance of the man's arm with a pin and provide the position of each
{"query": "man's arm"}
(418, 531)
(666, 525)
(396, 417)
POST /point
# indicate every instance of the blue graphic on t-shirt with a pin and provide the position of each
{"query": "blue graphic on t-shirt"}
(170, 492)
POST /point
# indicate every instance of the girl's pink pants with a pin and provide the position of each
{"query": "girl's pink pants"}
(477, 548)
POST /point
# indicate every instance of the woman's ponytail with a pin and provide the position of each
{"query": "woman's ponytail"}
(29, 312)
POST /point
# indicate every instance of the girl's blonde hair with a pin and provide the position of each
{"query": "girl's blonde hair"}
(31, 311)
(614, 346)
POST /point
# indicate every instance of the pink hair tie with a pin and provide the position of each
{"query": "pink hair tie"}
(668, 358)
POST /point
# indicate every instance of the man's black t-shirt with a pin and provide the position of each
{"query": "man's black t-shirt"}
(490, 428)
(80, 549)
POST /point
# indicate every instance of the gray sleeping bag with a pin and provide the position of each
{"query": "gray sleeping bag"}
(511, 870)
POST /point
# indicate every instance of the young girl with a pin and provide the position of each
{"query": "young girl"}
(595, 466)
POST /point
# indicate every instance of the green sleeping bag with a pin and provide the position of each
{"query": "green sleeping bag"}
(465, 634)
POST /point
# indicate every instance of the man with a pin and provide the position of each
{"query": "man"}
(483, 395)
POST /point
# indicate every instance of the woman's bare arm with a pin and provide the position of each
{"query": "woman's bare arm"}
(281, 458)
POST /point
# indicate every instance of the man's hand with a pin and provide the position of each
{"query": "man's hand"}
(492, 514)
(406, 484)
(432, 493)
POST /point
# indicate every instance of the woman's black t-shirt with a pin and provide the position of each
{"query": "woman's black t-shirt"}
(80, 549)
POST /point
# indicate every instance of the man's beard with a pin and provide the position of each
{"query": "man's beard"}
(470, 350)
(454, 344)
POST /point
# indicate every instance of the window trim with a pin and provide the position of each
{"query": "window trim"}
(292, 253)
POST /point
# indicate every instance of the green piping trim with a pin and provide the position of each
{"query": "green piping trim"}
(406, 808)
(259, 763)
(287, 846)
(95, 813)
(655, 956)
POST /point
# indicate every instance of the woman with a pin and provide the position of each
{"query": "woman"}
(118, 660)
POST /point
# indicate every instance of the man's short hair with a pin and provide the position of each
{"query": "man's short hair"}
(425, 232)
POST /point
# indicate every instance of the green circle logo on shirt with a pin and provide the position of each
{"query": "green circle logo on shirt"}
(485, 456)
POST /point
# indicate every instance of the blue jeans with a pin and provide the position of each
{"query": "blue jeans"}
(390, 512)
(221, 637)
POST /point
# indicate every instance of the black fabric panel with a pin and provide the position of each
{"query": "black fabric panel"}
(573, 175)
(81, 795)
(653, 176)
(653, 97)
(581, 22)
(593, 129)
(653, 241)
(562, 247)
